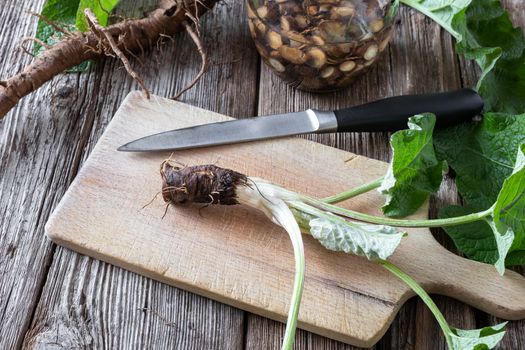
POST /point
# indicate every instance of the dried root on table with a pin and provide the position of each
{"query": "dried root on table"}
(124, 39)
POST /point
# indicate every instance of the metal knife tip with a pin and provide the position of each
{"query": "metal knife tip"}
(125, 148)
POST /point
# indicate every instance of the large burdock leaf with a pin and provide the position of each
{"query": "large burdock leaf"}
(414, 173)
(484, 33)
(489, 38)
(483, 156)
(500, 238)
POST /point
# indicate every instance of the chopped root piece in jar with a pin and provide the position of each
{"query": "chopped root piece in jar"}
(312, 10)
(316, 57)
(346, 47)
(252, 28)
(260, 27)
(325, 8)
(328, 72)
(296, 37)
(251, 14)
(262, 50)
(371, 52)
(332, 31)
(274, 39)
(384, 43)
(262, 12)
(278, 66)
(285, 24)
(318, 40)
(301, 21)
(367, 36)
(344, 11)
(347, 66)
(376, 25)
(292, 54)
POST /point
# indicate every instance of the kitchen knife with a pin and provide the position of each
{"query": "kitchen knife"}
(389, 114)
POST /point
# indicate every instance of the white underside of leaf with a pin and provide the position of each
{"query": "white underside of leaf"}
(503, 242)
(469, 339)
(375, 242)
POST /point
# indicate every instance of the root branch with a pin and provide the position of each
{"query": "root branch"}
(204, 59)
(128, 36)
(103, 33)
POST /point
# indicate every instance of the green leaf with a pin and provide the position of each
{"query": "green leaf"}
(69, 15)
(63, 13)
(375, 242)
(414, 172)
(515, 258)
(509, 211)
(504, 237)
(476, 240)
(484, 33)
(488, 36)
(101, 9)
(510, 205)
(482, 155)
(441, 11)
(500, 239)
(477, 339)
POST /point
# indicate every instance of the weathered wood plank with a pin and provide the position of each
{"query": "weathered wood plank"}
(90, 304)
(85, 301)
(34, 175)
(71, 112)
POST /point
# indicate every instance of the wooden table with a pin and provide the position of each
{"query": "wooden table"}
(53, 298)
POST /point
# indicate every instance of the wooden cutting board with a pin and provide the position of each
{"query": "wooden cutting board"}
(237, 256)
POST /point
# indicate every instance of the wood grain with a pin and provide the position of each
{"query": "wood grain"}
(47, 137)
(209, 253)
(33, 174)
(81, 106)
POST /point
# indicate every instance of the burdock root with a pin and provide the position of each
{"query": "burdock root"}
(207, 184)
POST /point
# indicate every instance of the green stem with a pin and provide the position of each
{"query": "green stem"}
(283, 215)
(458, 220)
(423, 295)
(416, 4)
(293, 313)
(353, 192)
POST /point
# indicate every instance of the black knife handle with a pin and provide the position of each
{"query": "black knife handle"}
(391, 114)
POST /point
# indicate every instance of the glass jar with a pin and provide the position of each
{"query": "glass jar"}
(320, 45)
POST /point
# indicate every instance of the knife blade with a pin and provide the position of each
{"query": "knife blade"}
(389, 114)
